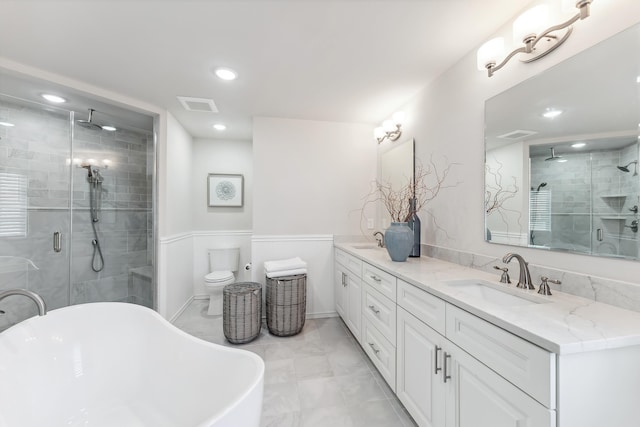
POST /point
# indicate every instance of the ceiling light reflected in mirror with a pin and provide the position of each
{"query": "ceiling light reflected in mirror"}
(53, 98)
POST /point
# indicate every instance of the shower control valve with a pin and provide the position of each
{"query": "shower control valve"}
(633, 226)
(634, 209)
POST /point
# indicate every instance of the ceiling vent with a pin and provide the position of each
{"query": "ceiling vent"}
(517, 134)
(200, 105)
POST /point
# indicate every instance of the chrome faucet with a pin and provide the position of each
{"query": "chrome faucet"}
(380, 239)
(524, 281)
(37, 299)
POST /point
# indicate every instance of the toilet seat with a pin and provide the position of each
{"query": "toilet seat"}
(218, 276)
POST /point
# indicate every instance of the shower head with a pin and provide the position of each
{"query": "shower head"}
(542, 184)
(626, 167)
(553, 156)
(89, 122)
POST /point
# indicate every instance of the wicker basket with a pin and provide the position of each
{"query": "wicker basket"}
(286, 304)
(242, 311)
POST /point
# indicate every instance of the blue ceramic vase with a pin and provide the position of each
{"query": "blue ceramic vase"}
(398, 239)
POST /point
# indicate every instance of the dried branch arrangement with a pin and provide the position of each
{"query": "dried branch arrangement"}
(495, 193)
(424, 187)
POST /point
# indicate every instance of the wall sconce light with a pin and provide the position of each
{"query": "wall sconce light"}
(390, 129)
(525, 30)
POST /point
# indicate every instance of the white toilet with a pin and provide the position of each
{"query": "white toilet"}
(222, 264)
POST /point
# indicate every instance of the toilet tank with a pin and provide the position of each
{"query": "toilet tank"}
(224, 259)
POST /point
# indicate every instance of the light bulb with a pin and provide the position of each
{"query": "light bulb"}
(388, 126)
(378, 133)
(530, 23)
(490, 52)
(398, 118)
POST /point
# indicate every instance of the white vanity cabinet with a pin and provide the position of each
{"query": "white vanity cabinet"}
(348, 291)
(441, 385)
(379, 320)
(456, 363)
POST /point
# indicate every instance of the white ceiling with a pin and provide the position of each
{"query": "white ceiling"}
(330, 60)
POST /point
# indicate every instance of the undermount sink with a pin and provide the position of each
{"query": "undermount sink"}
(495, 294)
(365, 246)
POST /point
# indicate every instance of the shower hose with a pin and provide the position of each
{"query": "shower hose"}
(95, 199)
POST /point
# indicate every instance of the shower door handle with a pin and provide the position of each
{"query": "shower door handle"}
(57, 241)
(599, 234)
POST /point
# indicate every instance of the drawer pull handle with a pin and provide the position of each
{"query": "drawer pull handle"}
(373, 347)
(376, 279)
(344, 279)
(374, 309)
(438, 369)
(446, 376)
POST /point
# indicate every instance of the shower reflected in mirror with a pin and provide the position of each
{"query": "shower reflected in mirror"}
(625, 168)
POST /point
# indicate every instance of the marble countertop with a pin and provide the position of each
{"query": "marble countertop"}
(560, 323)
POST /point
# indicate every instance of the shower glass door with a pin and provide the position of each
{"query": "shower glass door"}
(35, 201)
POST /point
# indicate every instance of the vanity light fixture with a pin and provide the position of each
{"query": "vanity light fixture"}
(219, 126)
(53, 98)
(525, 30)
(390, 129)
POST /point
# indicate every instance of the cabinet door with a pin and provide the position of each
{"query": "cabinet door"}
(340, 290)
(354, 306)
(478, 397)
(419, 382)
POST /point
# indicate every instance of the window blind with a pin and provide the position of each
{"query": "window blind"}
(13, 205)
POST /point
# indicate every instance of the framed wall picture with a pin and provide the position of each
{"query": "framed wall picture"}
(225, 190)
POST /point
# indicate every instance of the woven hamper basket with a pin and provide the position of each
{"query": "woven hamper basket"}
(286, 304)
(242, 311)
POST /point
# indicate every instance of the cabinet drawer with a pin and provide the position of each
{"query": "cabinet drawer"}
(352, 263)
(380, 280)
(380, 311)
(423, 305)
(381, 352)
(525, 365)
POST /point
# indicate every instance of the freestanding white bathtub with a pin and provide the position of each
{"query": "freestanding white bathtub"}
(117, 364)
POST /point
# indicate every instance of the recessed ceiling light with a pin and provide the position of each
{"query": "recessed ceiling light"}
(226, 74)
(578, 145)
(7, 124)
(219, 126)
(551, 113)
(109, 128)
(53, 98)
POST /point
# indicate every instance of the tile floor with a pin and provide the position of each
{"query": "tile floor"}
(320, 377)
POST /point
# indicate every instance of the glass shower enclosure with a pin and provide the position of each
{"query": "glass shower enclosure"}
(76, 208)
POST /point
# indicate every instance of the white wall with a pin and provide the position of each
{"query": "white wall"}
(509, 171)
(447, 118)
(227, 157)
(310, 178)
(175, 247)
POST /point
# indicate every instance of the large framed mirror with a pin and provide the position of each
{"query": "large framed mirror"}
(561, 155)
(396, 167)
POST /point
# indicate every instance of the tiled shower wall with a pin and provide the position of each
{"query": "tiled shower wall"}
(588, 193)
(39, 148)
